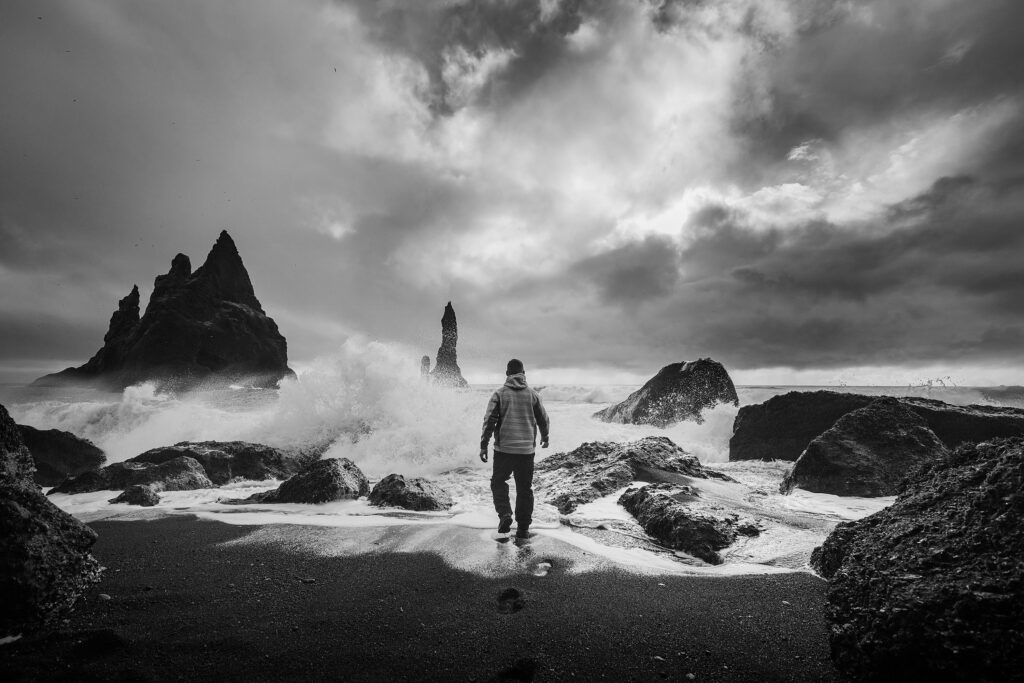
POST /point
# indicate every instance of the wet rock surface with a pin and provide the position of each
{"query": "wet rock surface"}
(415, 493)
(867, 452)
(45, 564)
(202, 327)
(783, 426)
(181, 473)
(138, 494)
(58, 455)
(224, 461)
(321, 482)
(663, 513)
(598, 468)
(932, 587)
(446, 370)
(680, 391)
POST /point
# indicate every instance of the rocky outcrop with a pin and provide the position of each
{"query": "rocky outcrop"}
(446, 370)
(181, 473)
(680, 391)
(867, 452)
(224, 461)
(395, 490)
(202, 327)
(45, 563)
(932, 587)
(425, 366)
(137, 495)
(596, 469)
(320, 482)
(783, 426)
(663, 512)
(58, 455)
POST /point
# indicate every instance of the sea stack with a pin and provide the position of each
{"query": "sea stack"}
(425, 366)
(446, 369)
(680, 391)
(202, 327)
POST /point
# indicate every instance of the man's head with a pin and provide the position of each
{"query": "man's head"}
(514, 367)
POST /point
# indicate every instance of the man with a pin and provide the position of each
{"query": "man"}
(514, 414)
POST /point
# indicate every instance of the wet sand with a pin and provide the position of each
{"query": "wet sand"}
(188, 601)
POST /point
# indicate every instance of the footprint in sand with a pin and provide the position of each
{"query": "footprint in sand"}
(510, 600)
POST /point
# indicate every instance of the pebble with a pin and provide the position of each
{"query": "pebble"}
(104, 596)
(691, 677)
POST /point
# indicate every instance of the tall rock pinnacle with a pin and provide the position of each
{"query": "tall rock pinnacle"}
(200, 327)
(446, 369)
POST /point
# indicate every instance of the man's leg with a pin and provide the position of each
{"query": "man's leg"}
(499, 483)
(523, 472)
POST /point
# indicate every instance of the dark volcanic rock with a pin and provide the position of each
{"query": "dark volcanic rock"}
(680, 391)
(669, 519)
(137, 494)
(783, 426)
(178, 474)
(45, 563)
(599, 468)
(412, 494)
(201, 327)
(227, 460)
(867, 452)
(321, 482)
(58, 455)
(932, 587)
(446, 369)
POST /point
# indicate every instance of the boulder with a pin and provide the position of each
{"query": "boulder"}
(597, 469)
(783, 426)
(224, 461)
(320, 482)
(446, 370)
(680, 391)
(178, 474)
(137, 494)
(58, 455)
(395, 490)
(663, 512)
(45, 564)
(932, 587)
(202, 327)
(867, 452)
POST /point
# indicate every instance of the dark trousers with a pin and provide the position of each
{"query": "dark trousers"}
(520, 467)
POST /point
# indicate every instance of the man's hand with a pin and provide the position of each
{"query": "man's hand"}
(483, 455)
(544, 442)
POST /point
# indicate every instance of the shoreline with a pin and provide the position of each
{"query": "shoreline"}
(196, 600)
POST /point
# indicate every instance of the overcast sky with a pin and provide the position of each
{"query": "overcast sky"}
(826, 191)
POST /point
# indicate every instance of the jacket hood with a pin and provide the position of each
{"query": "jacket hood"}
(516, 381)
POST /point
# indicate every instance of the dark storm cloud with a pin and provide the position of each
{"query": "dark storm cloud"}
(633, 273)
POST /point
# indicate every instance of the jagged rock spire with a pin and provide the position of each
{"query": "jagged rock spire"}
(446, 369)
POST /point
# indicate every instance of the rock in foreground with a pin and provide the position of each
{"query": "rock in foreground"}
(199, 327)
(45, 563)
(663, 513)
(680, 391)
(783, 426)
(598, 468)
(224, 461)
(932, 587)
(321, 482)
(395, 490)
(137, 494)
(58, 455)
(867, 452)
(178, 474)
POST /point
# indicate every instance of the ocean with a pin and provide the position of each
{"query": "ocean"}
(368, 402)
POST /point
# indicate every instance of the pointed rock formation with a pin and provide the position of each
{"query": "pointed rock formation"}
(201, 327)
(446, 369)
(680, 391)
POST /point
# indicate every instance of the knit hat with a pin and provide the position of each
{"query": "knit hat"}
(514, 367)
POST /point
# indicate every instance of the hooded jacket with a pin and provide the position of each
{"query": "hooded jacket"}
(514, 414)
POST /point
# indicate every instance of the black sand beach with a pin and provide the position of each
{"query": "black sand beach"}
(184, 607)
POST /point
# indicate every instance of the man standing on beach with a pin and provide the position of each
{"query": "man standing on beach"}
(514, 414)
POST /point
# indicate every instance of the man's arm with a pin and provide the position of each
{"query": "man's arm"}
(541, 416)
(491, 418)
